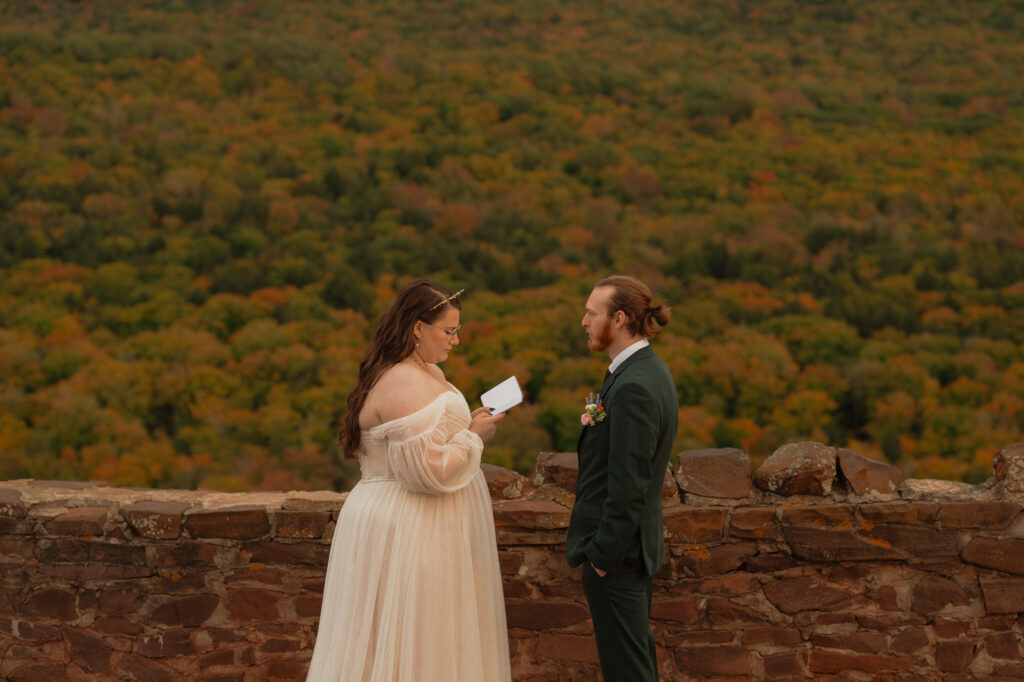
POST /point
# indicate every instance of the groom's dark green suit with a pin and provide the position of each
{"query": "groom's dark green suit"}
(616, 522)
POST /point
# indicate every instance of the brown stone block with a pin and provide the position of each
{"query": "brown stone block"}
(988, 515)
(836, 662)
(1003, 645)
(792, 595)
(242, 655)
(287, 670)
(714, 661)
(695, 524)
(155, 520)
(567, 647)
(949, 628)
(53, 602)
(98, 551)
(701, 560)
(786, 666)
(17, 547)
(117, 626)
(544, 615)
(135, 667)
(187, 553)
(90, 574)
(906, 513)
(1009, 671)
(278, 646)
(669, 490)
(933, 593)
(244, 522)
(721, 611)
(1008, 465)
(678, 610)
(224, 677)
(505, 484)
(167, 644)
(690, 638)
(825, 516)
(11, 503)
(909, 640)
(769, 563)
(1003, 555)
(916, 542)
(732, 584)
(513, 537)
(722, 473)
(88, 651)
(511, 562)
(83, 521)
(38, 672)
(1003, 595)
(188, 611)
(806, 468)
(953, 657)
(255, 574)
(754, 522)
(308, 606)
(515, 588)
(34, 632)
(292, 553)
(246, 604)
(858, 642)
(301, 524)
(814, 544)
(772, 635)
(17, 526)
(531, 514)
(314, 584)
(559, 468)
(867, 475)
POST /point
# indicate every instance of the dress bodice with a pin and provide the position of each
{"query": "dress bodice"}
(431, 428)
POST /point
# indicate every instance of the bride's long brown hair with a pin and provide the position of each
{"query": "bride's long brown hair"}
(421, 299)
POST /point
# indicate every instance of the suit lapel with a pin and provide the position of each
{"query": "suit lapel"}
(609, 381)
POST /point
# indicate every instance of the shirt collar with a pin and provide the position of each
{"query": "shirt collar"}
(624, 355)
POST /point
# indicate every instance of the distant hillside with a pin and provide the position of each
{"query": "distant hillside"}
(204, 208)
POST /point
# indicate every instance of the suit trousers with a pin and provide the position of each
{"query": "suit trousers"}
(620, 605)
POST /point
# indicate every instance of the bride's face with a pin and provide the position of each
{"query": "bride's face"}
(437, 338)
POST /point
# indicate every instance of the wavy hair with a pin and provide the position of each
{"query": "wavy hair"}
(421, 299)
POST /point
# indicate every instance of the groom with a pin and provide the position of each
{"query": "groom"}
(615, 530)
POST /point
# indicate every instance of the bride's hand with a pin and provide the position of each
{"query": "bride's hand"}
(484, 423)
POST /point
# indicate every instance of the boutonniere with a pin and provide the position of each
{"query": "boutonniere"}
(593, 412)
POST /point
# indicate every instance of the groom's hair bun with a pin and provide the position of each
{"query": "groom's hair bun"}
(634, 298)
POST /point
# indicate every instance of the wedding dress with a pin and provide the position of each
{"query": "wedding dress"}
(413, 589)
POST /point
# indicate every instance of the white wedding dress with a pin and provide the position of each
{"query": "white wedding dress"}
(413, 590)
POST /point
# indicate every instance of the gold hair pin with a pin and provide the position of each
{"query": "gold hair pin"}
(450, 298)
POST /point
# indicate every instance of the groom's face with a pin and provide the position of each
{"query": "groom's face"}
(597, 321)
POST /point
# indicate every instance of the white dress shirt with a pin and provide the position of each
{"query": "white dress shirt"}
(626, 352)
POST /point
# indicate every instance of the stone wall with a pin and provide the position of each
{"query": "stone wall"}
(820, 565)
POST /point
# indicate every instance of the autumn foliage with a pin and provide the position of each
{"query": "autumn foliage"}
(204, 208)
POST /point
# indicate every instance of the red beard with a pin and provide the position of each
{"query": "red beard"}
(603, 339)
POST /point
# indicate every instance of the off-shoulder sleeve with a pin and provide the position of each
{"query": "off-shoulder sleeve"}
(425, 461)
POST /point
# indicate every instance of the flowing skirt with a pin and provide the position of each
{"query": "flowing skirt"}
(413, 590)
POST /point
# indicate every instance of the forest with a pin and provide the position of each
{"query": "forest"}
(205, 208)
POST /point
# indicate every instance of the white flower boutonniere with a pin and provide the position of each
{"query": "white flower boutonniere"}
(593, 412)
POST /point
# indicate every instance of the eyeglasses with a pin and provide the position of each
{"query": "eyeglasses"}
(450, 332)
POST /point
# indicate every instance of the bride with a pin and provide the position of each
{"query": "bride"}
(413, 589)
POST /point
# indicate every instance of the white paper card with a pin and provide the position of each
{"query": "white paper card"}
(503, 396)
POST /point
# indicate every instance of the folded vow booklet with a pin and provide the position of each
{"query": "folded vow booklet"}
(503, 396)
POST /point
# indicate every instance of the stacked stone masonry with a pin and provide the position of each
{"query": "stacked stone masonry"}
(821, 565)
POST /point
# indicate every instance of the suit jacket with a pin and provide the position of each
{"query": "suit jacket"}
(616, 520)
